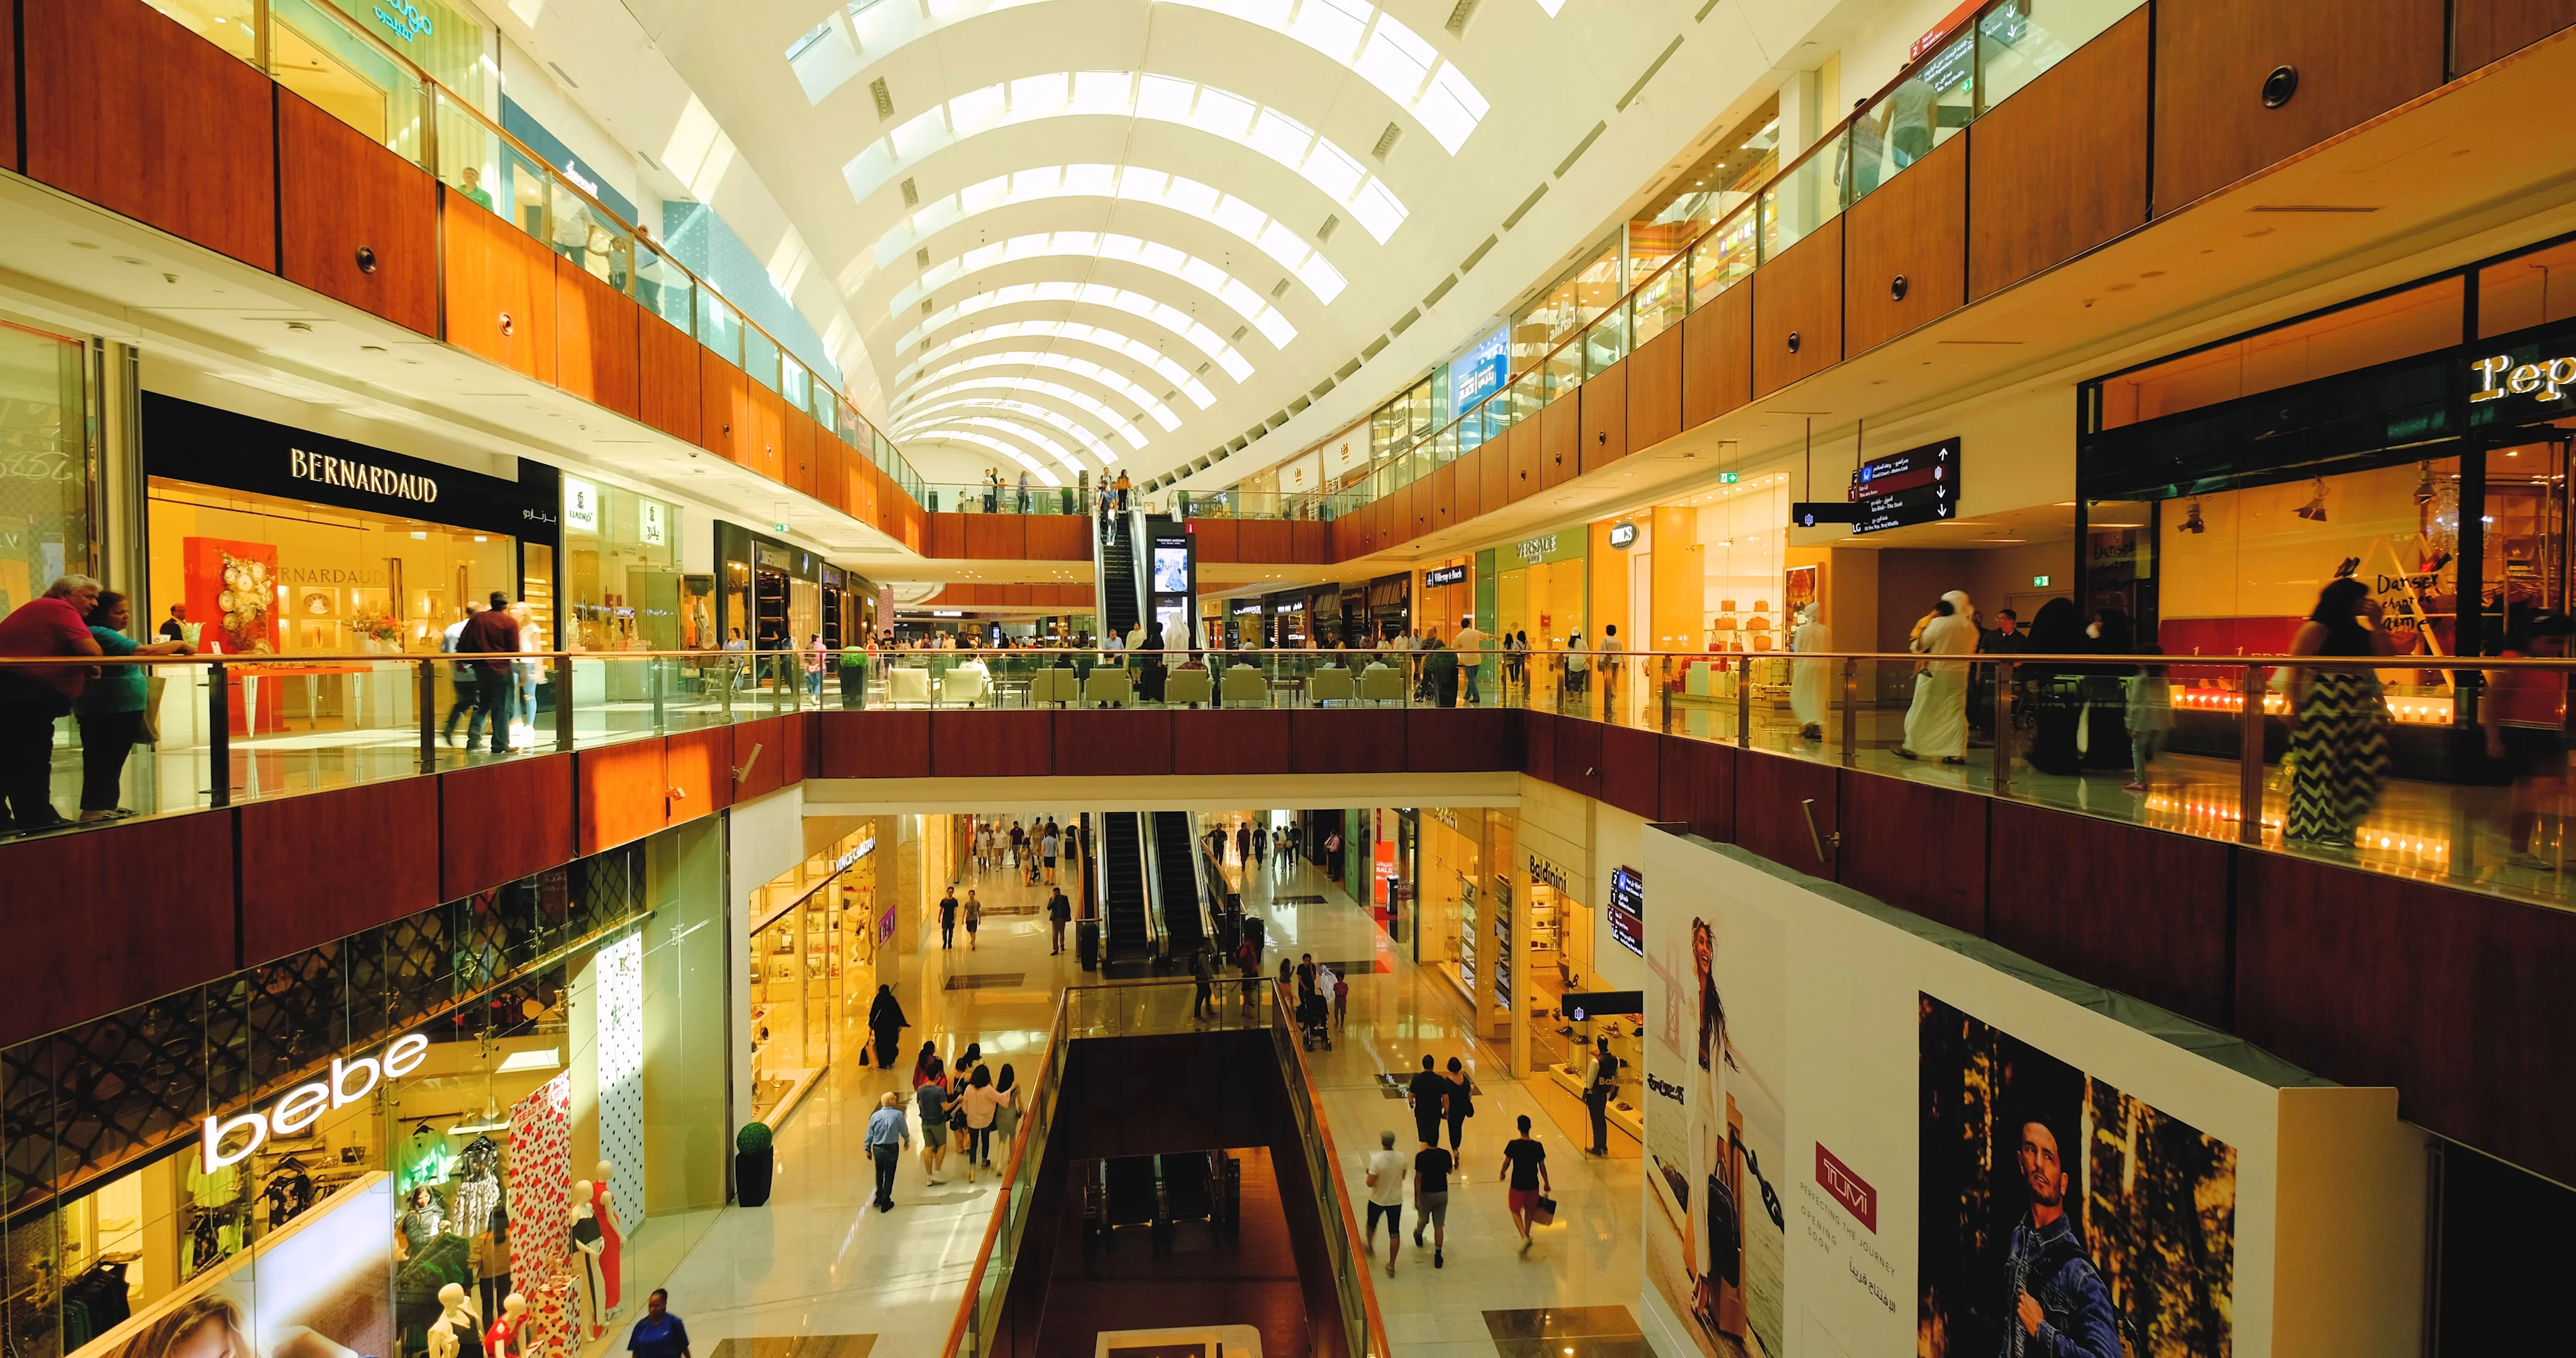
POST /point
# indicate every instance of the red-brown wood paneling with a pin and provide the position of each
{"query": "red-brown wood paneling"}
(764, 450)
(672, 384)
(996, 537)
(831, 470)
(1217, 539)
(802, 460)
(1717, 356)
(9, 88)
(725, 424)
(1494, 473)
(1771, 793)
(992, 744)
(499, 288)
(2137, 910)
(2484, 30)
(298, 891)
(1698, 786)
(1578, 756)
(1604, 398)
(1058, 537)
(1655, 390)
(1344, 533)
(1444, 498)
(1916, 846)
(598, 339)
(765, 772)
(874, 744)
(1350, 740)
(1109, 743)
(1798, 310)
(1310, 543)
(1426, 515)
(356, 222)
(1521, 448)
(129, 110)
(129, 913)
(1246, 743)
(2060, 167)
(867, 492)
(1632, 772)
(2355, 60)
(2458, 999)
(624, 794)
(698, 766)
(1538, 744)
(1264, 542)
(799, 748)
(1913, 227)
(1462, 740)
(1560, 441)
(947, 535)
(1470, 500)
(503, 821)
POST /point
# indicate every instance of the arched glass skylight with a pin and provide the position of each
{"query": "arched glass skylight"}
(1079, 367)
(1089, 405)
(1164, 259)
(1132, 94)
(921, 418)
(1127, 183)
(1136, 304)
(1044, 473)
(1016, 428)
(1155, 410)
(1363, 39)
(1167, 369)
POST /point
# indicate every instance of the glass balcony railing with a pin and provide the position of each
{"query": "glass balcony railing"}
(1148, 1008)
(350, 73)
(1010, 497)
(2009, 44)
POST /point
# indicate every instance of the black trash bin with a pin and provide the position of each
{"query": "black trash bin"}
(1086, 943)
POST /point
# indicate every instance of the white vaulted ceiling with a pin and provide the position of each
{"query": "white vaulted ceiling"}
(1079, 234)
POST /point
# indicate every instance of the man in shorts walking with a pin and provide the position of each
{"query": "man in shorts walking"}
(1386, 1171)
(1431, 1198)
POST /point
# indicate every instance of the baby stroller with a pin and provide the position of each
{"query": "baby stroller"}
(1314, 1022)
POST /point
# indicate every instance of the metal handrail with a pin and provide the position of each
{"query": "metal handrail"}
(1326, 1161)
(897, 654)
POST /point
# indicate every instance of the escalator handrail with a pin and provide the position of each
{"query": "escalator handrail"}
(1203, 905)
(1307, 1100)
(1155, 944)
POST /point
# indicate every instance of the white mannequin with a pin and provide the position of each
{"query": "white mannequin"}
(456, 1326)
(612, 1228)
(502, 1340)
(587, 1247)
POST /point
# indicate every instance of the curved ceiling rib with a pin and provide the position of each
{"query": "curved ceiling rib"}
(1127, 183)
(1078, 367)
(1052, 419)
(1135, 304)
(1369, 43)
(1132, 94)
(1044, 473)
(1163, 259)
(1169, 370)
(1017, 428)
(1097, 409)
(1155, 410)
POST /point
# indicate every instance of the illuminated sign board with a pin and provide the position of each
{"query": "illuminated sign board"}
(296, 1109)
(1919, 485)
(1623, 534)
(1479, 372)
(1444, 575)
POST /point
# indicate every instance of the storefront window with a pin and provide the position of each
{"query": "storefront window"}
(44, 463)
(816, 935)
(621, 569)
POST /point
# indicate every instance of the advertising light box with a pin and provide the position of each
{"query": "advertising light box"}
(1870, 1134)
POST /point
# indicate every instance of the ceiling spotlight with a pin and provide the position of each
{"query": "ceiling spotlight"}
(2191, 518)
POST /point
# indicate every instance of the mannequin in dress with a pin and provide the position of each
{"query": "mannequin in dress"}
(612, 1233)
(587, 1246)
(457, 1333)
(502, 1340)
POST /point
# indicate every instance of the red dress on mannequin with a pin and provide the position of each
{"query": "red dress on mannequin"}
(608, 1237)
(502, 1339)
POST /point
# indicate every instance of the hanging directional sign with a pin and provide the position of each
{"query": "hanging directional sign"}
(1919, 485)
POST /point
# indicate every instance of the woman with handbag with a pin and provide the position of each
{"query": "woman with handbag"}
(113, 708)
(1006, 1114)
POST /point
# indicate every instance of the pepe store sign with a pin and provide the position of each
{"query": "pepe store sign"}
(233, 1139)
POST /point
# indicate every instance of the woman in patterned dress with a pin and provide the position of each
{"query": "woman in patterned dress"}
(2338, 721)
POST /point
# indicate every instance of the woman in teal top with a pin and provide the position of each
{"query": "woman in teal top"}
(110, 707)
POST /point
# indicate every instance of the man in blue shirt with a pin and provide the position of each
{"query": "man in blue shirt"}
(2058, 1306)
(888, 1136)
(659, 1334)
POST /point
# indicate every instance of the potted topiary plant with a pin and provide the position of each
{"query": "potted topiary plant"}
(752, 1162)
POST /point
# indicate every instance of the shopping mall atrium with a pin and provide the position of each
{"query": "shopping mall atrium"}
(970, 678)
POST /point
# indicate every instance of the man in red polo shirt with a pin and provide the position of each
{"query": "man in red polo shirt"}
(32, 696)
(489, 632)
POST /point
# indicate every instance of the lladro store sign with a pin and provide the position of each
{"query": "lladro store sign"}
(295, 1110)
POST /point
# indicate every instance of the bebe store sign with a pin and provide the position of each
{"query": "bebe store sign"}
(231, 1140)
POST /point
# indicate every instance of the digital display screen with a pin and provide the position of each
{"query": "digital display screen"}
(1628, 909)
(1171, 566)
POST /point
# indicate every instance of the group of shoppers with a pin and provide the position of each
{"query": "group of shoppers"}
(76, 619)
(1431, 1169)
(963, 1105)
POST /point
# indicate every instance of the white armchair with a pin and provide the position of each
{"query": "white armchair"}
(1332, 683)
(1052, 685)
(1109, 685)
(1244, 684)
(907, 685)
(966, 685)
(1186, 686)
(1381, 684)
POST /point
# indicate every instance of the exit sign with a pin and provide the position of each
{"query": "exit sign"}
(1726, 478)
(2039, 582)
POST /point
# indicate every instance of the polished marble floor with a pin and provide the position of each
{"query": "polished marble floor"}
(818, 1262)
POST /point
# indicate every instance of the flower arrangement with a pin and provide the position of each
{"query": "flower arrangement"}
(379, 626)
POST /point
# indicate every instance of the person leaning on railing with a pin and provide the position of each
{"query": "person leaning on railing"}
(32, 696)
(112, 708)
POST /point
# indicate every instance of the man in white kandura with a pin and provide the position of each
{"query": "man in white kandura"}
(1936, 726)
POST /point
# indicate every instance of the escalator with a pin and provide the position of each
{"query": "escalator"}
(1176, 885)
(1122, 594)
(1123, 905)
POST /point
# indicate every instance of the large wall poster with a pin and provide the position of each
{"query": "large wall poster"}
(318, 1287)
(1715, 1125)
(2055, 1205)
